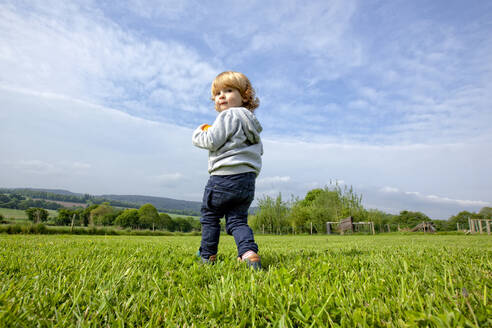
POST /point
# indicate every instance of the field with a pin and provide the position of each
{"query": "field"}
(9, 213)
(21, 214)
(65, 204)
(382, 280)
(174, 216)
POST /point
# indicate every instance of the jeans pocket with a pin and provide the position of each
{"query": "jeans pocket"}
(220, 196)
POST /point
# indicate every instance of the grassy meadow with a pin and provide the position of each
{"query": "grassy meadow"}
(306, 281)
(20, 215)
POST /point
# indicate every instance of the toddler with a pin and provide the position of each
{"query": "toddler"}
(234, 162)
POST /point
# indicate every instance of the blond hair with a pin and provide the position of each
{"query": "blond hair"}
(237, 81)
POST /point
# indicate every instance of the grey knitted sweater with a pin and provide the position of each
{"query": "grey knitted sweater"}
(233, 142)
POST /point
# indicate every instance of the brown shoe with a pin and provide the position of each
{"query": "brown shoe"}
(252, 260)
(210, 260)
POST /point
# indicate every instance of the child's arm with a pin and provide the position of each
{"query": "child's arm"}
(213, 137)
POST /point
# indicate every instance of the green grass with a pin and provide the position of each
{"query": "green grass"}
(17, 215)
(365, 281)
(182, 216)
(21, 214)
(14, 214)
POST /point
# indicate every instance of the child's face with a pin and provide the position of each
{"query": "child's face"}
(228, 97)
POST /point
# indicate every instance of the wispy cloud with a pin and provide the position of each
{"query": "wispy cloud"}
(169, 178)
(273, 180)
(91, 58)
(40, 167)
(435, 198)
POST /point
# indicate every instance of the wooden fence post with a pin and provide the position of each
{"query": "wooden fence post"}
(71, 226)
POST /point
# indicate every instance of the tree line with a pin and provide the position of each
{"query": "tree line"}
(331, 204)
(146, 217)
(48, 195)
(44, 195)
(83, 200)
(20, 202)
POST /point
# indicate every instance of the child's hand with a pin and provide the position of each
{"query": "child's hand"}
(204, 127)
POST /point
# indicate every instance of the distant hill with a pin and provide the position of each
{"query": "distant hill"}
(158, 202)
(53, 191)
(161, 203)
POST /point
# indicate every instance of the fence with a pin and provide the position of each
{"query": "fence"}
(476, 225)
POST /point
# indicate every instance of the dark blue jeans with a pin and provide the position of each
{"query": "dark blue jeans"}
(229, 196)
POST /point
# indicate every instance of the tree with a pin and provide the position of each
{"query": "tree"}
(183, 224)
(410, 219)
(166, 222)
(486, 213)
(102, 215)
(127, 219)
(148, 216)
(64, 217)
(195, 224)
(441, 225)
(272, 214)
(4, 199)
(328, 204)
(460, 219)
(37, 215)
(85, 216)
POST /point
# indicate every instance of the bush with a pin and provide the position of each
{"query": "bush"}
(36, 214)
(43, 229)
(37, 228)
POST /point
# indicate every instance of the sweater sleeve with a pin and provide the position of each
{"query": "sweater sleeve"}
(217, 135)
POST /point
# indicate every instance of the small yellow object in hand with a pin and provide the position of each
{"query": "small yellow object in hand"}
(205, 127)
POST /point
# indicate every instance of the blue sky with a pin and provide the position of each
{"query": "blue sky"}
(391, 97)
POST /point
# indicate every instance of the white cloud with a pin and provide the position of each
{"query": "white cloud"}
(167, 178)
(170, 9)
(74, 145)
(389, 189)
(272, 180)
(89, 57)
(460, 202)
(35, 166)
